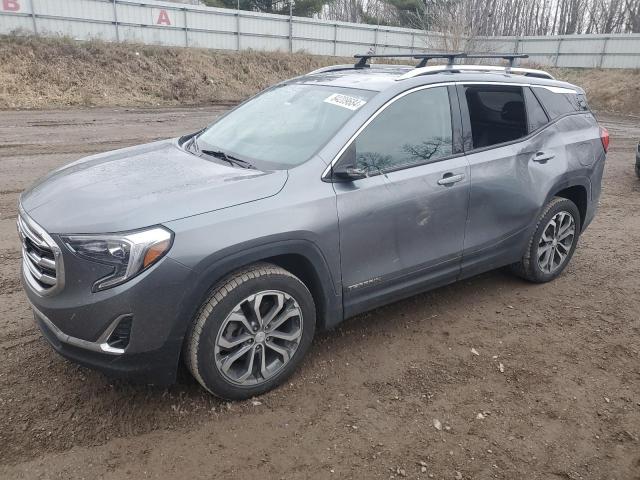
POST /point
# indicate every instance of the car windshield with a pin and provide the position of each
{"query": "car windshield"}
(284, 126)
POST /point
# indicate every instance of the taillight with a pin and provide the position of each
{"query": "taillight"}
(604, 136)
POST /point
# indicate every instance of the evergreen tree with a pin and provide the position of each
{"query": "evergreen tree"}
(301, 8)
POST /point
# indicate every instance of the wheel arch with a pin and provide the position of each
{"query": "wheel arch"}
(578, 190)
(301, 257)
(303, 268)
(578, 195)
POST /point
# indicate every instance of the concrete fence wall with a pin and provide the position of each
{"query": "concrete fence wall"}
(163, 23)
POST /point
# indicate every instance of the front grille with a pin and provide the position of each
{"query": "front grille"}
(41, 260)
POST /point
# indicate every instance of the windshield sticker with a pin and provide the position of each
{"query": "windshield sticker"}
(345, 101)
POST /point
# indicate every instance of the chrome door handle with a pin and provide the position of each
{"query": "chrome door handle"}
(450, 179)
(542, 157)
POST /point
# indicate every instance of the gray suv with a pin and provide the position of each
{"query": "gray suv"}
(322, 197)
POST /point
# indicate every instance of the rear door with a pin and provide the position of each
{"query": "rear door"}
(402, 227)
(511, 162)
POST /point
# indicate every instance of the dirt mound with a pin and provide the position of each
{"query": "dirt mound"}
(608, 90)
(58, 72)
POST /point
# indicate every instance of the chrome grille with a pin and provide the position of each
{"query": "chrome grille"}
(41, 257)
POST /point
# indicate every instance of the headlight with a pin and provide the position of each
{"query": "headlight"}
(128, 253)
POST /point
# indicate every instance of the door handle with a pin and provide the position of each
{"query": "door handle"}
(449, 179)
(542, 157)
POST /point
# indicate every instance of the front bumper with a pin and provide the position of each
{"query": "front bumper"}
(77, 322)
(156, 367)
(101, 345)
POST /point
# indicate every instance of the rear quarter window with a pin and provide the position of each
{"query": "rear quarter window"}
(558, 104)
(536, 116)
(581, 101)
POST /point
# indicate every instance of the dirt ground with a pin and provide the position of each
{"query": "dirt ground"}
(366, 400)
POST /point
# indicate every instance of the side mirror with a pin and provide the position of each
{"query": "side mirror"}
(346, 168)
(349, 173)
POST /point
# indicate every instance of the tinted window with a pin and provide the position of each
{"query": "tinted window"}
(497, 114)
(536, 117)
(581, 102)
(285, 125)
(557, 104)
(415, 129)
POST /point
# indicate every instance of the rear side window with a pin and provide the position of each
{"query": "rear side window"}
(536, 118)
(581, 100)
(416, 129)
(558, 104)
(497, 114)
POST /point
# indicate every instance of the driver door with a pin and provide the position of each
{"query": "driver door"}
(402, 225)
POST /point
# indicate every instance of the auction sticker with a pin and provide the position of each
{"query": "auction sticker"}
(345, 101)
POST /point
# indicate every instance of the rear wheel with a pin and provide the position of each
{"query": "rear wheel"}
(251, 333)
(553, 242)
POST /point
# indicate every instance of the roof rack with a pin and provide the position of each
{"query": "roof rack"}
(510, 57)
(450, 56)
(423, 57)
(422, 69)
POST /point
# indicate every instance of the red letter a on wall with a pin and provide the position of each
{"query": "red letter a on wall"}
(163, 18)
(10, 5)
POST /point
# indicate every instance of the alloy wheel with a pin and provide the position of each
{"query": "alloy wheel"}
(259, 337)
(556, 242)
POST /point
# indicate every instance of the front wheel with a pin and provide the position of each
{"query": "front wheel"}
(553, 242)
(251, 333)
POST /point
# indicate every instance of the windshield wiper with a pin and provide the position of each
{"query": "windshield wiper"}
(227, 158)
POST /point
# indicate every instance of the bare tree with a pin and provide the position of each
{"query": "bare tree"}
(632, 16)
(474, 18)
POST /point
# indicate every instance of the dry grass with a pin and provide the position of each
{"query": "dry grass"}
(615, 91)
(59, 72)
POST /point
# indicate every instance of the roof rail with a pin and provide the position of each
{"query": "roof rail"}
(527, 72)
(332, 68)
(423, 57)
(510, 57)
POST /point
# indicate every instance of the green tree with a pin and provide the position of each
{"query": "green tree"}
(301, 8)
(424, 14)
(407, 10)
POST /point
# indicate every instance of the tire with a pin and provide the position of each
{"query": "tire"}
(227, 325)
(535, 265)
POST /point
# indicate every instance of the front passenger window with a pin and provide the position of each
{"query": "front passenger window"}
(413, 130)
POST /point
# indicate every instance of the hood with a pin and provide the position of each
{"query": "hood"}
(140, 186)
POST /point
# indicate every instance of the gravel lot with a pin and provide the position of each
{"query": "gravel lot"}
(364, 405)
